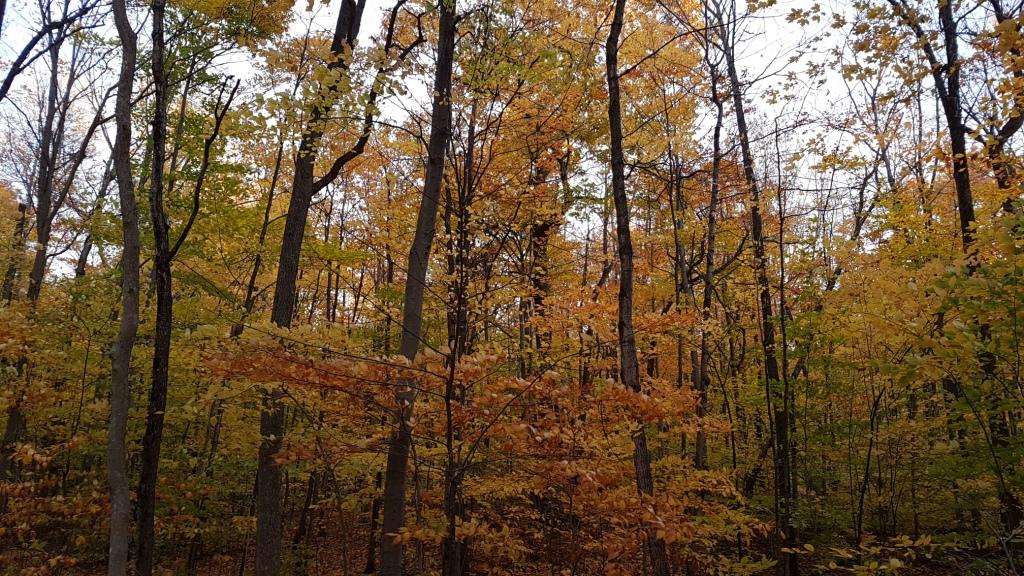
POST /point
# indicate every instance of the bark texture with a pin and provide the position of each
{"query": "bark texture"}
(629, 368)
(121, 352)
(416, 280)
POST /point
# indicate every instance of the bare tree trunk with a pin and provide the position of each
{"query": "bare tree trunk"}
(416, 279)
(153, 436)
(121, 352)
(629, 368)
(704, 381)
(785, 496)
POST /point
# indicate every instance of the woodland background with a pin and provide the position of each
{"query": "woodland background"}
(511, 287)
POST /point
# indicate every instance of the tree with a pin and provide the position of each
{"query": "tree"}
(415, 286)
(628, 365)
(776, 381)
(121, 351)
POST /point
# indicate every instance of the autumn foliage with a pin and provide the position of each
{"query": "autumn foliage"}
(826, 299)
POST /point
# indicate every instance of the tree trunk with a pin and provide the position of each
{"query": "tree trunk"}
(629, 367)
(778, 397)
(704, 381)
(17, 245)
(121, 352)
(371, 546)
(416, 279)
(153, 436)
(268, 475)
(47, 161)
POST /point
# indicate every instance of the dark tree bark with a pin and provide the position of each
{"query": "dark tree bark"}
(629, 368)
(704, 381)
(121, 352)
(775, 383)
(946, 77)
(153, 436)
(345, 34)
(272, 417)
(416, 280)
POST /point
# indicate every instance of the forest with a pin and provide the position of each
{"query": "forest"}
(511, 287)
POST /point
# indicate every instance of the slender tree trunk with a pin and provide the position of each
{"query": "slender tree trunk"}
(416, 279)
(121, 352)
(785, 496)
(957, 131)
(272, 417)
(153, 436)
(371, 547)
(629, 368)
(250, 289)
(700, 457)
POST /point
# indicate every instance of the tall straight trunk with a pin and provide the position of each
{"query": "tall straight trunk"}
(455, 553)
(416, 281)
(629, 367)
(272, 417)
(121, 352)
(777, 395)
(704, 381)
(153, 436)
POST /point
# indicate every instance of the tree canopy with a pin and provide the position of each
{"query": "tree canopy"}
(511, 287)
